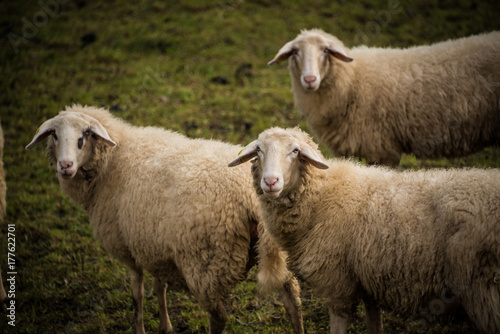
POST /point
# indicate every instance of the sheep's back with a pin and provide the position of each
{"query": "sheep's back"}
(433, 100)
(437, 100)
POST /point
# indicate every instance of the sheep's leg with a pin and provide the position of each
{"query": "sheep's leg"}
(338, 323)
(290, 294)
(137, 297)
(373, 318)
(161, 293)
(218, 318)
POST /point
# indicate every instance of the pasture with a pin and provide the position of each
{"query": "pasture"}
(196, 67)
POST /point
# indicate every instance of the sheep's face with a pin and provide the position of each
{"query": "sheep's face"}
(310, 55)
(71, 140)
(280, 157)
(278, 161)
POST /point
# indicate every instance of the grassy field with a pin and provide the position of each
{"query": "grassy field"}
(197, 67)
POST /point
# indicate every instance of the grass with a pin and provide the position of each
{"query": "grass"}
(164, 64)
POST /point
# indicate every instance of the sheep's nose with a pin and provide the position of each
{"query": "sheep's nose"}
(271, 181)
(310, 78)
(65, 164)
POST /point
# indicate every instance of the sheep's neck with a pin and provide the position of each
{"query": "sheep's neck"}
(329, 108)
(285, 215)
(80, 187)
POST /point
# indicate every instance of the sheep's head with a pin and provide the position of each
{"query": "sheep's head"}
(280, 156)
(309, 55)
(71, 143)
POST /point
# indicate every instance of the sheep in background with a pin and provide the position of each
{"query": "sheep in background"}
(393, 239)
(433, 101)
(3, 208)
(159, 201)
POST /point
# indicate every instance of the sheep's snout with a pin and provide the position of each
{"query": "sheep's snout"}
(272, 185)
(310, 79)
(271, 181)
(65, 168)
(310, 82)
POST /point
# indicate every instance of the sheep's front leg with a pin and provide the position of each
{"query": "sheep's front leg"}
(373, 318)
(161, 293)
(338, 323)
(218, 318)
(290, 294)
(137, 296)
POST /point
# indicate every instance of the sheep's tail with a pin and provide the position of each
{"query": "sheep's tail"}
(272, 274)
(272, 271)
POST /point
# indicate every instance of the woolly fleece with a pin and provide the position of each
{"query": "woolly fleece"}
(439, 100)
(396, 238)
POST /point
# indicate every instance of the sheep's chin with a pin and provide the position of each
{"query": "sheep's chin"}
(272, 194)
(310, 87)
(66, 176)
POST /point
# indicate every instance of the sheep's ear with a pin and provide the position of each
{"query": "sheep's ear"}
(336, 50)
(43, 132)
(312, 157)
(283, 53)
(245, 154)
(99, 130)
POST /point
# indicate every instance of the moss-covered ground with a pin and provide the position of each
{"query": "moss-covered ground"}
(197, 67)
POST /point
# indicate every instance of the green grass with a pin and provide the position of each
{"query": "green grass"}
(153, 63)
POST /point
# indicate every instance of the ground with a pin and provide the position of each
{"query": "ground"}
(197, 67)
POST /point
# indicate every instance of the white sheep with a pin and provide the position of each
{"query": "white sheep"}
(441, 100)
(159, 201)
(395, 240)
(3, 207)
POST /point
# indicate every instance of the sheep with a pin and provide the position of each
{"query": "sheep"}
(3, 208)
(441, 100)
(161, 202)
(392, 239)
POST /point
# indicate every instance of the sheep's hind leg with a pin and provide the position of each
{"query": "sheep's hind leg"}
(136, 276)
(338, 323)
(373, 318)
(161, 293)
(218, 317)
(290, 295)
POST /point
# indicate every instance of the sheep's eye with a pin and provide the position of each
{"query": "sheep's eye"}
(87, 133)
(296, 151)
(326, 51)
(54, 135)
(295, 52)
(80, 143)
(258, 149)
